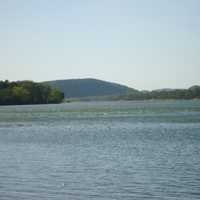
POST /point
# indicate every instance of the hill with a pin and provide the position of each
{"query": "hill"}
(76, 88)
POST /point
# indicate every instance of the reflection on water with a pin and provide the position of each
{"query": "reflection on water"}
(101, 150)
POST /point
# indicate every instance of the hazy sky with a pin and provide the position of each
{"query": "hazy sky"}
(145, 44)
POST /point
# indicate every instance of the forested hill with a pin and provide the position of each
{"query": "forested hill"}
(75, 88)
(28, 92)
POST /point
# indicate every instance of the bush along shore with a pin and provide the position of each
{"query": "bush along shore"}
(28, 92)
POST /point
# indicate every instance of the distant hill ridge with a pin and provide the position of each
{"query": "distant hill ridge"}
(76, 88)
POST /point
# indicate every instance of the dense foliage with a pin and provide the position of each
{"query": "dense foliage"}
(28, 92)
(191, 93)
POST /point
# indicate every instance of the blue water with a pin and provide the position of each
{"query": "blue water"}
(101, 150)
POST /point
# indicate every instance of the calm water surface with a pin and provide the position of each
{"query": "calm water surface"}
(101, 150)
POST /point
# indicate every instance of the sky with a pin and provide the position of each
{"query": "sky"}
(145, 44)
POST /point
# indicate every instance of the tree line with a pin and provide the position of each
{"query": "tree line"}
(191, 93)
(28, 92)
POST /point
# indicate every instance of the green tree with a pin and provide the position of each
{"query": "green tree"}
(20, 95)
(55, 96)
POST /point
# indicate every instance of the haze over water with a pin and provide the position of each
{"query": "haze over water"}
(101, 150)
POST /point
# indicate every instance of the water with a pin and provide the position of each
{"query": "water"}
(101, 150)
